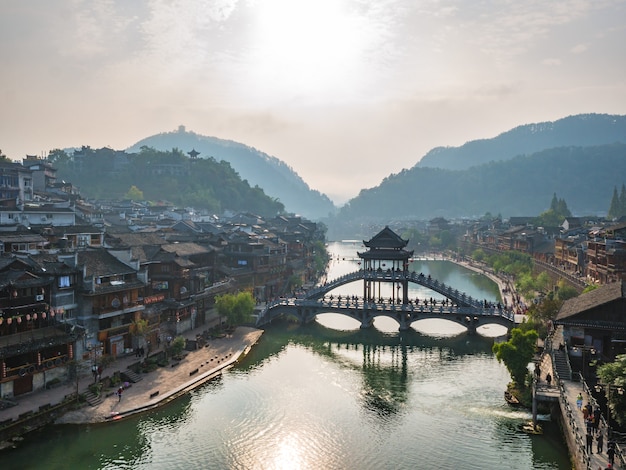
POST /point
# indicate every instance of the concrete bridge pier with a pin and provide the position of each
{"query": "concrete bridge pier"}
(471, 323)
(404, 320)
(366, 321)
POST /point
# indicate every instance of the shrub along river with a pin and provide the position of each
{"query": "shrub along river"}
(330, 396)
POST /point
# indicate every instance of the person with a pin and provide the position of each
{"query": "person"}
(596, 418)
(610, 453)
(549, 379)
(599, 442)
(589, 443)
(579, 401)
(119, 394)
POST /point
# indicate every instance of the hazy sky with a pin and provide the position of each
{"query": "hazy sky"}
(344, 91)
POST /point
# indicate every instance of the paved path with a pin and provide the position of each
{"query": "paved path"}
(169, 382)
(574, 422)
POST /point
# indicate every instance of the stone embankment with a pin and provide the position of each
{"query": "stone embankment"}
(164, 384)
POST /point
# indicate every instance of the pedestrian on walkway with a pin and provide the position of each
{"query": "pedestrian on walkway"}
(549, 379)
(589, 443)
(599, 442)
(579, 401)
(610, 452)
(119, 394)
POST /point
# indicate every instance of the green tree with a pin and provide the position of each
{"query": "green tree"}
(516, 353)
(613, 374)
(237, 308)
(134, 193)
(616, 207)
(565, 291)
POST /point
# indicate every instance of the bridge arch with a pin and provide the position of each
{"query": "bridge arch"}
(387, 261)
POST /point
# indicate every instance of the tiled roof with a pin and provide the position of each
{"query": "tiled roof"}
(185, 249)
(101, 263)
(138, 239)
(386, 238)
(595, 298)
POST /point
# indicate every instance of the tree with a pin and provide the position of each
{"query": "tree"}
(613, 374)
(566, 291)
(134, 193)
(616, 208)
(516, 353)
(138, 329)
(237, 308)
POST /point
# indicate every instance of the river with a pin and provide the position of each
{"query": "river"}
(329, 396)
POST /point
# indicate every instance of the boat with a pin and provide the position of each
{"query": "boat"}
(511, 399)
(531, 428)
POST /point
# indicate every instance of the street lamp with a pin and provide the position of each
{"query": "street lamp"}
(608, 387)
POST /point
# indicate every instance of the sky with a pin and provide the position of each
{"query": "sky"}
(346, 92)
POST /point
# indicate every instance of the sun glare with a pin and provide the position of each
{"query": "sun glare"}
(303, 48)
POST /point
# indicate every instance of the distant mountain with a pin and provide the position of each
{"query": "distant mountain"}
(162, 175)
(582, 130)
(583, 176)
(276, 178)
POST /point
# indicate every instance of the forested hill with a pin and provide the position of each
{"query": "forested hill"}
(581, 130)
(524, 186)
(276, 178)
(170, 176)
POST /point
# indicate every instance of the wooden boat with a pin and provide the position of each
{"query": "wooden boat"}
(511, 399)
(530, 428)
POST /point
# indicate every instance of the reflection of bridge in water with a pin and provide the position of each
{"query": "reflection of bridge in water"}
(458, 307)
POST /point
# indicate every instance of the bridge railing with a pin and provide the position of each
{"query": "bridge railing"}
(397, 276)
(354, 302)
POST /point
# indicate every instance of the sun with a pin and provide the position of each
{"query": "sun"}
(300, 48)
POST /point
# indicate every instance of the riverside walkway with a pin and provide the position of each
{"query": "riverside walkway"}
(156, 388)
(574, 426)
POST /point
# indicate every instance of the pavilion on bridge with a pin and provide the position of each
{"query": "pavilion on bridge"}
(387, 253)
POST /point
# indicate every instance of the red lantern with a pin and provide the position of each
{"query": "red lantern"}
(9, 321)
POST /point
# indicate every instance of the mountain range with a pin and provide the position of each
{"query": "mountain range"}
(580, 158)
(276, 178)
(582, 130)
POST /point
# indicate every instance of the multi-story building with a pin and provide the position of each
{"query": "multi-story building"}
(34, 343)
(111, 300)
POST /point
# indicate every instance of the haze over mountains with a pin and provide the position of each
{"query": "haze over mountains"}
(582, 130)
(276, 178)
(580, 158)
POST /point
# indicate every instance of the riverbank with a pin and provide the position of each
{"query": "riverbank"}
(164, 384)
(154, 389)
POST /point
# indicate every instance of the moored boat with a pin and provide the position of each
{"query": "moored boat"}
(511, 399)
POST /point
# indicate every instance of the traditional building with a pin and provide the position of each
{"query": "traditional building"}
(386, 253)
(594, 324)
(111, 300)
(34, 344)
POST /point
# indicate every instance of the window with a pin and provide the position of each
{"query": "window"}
(64, 281)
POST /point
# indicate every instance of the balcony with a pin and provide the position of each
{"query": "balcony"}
(37, 339)
(108, 312)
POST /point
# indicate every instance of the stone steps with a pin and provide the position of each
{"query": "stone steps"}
(561, 365)
(92, 398)
(131, 376)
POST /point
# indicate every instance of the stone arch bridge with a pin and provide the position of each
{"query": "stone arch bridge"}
(459, 307)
